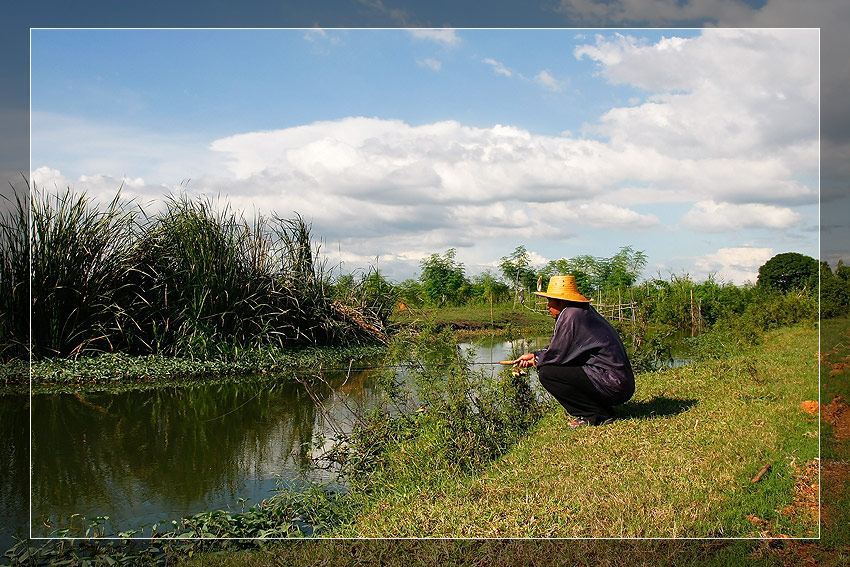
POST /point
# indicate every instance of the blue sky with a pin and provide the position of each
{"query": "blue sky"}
(699, 147)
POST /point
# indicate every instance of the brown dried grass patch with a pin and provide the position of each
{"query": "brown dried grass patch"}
(837, 415)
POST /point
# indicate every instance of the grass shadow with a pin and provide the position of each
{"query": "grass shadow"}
(659, 406)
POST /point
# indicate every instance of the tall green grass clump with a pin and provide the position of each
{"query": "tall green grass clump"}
(79, 258)
(14, 279)
(199, 282)
(193, 280)
(208, 282)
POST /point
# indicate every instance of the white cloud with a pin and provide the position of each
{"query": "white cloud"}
(498, 67)
(95, 148)
(735, 265)
(724, 93)
(103, 188)
(444, 36)
(545, 79)
(595, 215)
(430, 63)
(709, 216)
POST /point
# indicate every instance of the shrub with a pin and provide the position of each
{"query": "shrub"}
(789, 272)
(440, 416)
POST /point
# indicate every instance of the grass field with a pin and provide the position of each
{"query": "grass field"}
(680, 460)
(472, 321)
(678, 463)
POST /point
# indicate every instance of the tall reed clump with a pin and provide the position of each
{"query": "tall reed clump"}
(206, 282)
(14, 279)
(193, 280)
(79, 257)
(196, 282)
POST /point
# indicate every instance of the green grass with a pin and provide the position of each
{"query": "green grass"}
(477, 320)
(835, 383)
(678, 463)
(669, 406)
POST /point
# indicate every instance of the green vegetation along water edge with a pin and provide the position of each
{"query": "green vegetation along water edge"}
(117, 370)
(698, 436)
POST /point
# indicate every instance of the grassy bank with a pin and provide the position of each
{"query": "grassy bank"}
(763, 411)
(676, 429)
(678, 462)
(473, 321)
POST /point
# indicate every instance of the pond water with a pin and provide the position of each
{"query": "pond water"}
(146, 456)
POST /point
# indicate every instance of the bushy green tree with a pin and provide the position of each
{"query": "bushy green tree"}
(517, 270)
(593, 274)
(442, 278)
(411, 292)
(789, 271)
(487, 285)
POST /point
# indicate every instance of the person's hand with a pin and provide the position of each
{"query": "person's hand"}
(525, 360)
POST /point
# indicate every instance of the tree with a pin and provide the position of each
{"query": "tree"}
(789, 271)
(442, 277)
(618, 272)
(517, 270)
(842, 272)
(486, 286)
(623, 269)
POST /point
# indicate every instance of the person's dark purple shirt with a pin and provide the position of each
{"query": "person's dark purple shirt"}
(584, 338)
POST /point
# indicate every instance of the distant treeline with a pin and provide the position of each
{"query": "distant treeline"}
(653, 314)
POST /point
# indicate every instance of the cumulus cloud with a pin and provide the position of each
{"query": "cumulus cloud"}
(103, 188)
(443, 162)
(709, 216)
(596, 215)
(735, 265)
(724, 93)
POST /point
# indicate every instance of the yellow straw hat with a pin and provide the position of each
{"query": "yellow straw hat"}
(563, 287)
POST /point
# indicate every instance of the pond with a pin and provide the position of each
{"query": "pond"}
(147, 456)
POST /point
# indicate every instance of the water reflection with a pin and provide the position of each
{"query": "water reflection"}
(14, 464)
(141, 457)
(145, 456)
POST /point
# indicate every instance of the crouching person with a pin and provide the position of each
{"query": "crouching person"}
(585, 367)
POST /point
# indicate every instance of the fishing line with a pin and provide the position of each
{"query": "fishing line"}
(348, 375)
(241, 406)
(350, 368)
